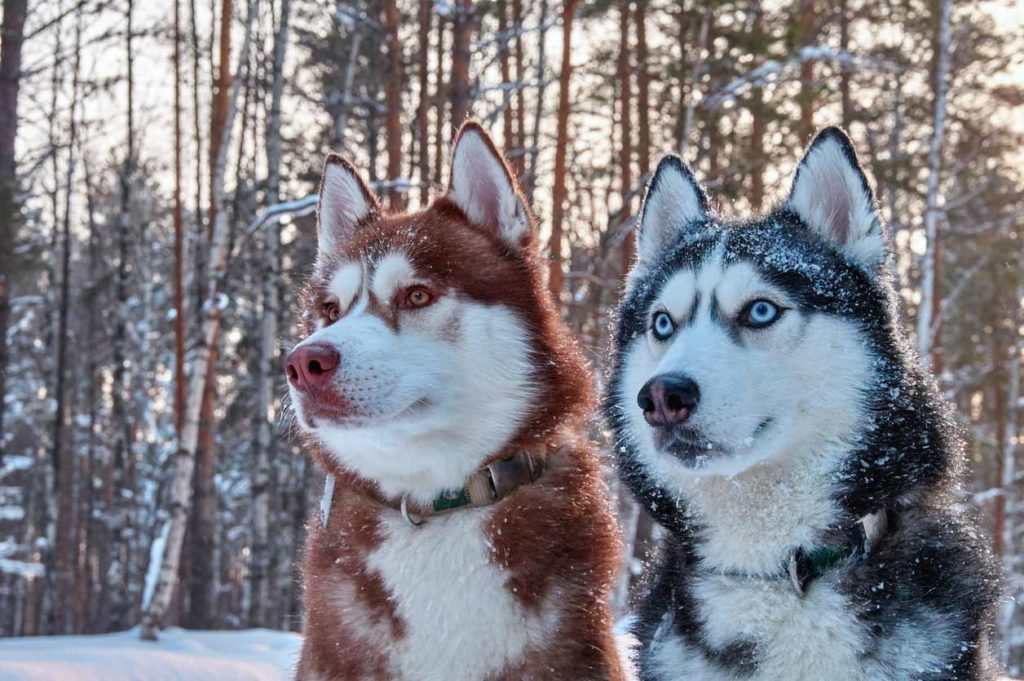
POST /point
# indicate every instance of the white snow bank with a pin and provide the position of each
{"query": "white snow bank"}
(251, 655)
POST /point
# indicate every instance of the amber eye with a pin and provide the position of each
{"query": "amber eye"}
(331, 311)
(418, 296)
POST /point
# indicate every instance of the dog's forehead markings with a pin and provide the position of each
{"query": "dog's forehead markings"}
(678, 293)
(740, 281)
(393, 270)
(345, 283)
(688, 287)
(711, 272)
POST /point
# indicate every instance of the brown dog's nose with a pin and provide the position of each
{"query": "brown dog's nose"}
(668, 399)
(310, 367)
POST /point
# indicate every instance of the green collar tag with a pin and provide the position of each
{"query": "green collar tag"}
(824, 558)
(451, 499)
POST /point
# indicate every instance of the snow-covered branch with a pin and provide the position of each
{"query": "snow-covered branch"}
(775, 70)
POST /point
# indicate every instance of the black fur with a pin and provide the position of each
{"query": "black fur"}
(934, 560)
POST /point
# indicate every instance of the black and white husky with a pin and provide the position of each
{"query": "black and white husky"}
(771, 415)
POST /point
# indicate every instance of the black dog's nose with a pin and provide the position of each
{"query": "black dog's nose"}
(668, 399)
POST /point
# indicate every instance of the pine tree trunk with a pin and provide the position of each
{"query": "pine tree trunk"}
(62, 455)
(1010, 444)
(462, 36)
(440, 102)
(505, 71)
(758, 115)
(845, 72)
(222, 86)
(393, 101)
(556, 277)
(166, 570)
(519, 162)
(423, 111)
(197, 129)
(93, 526)
(259, 584)
(198, 612)
(1002, 447)
(623, 77)
(643, 89)
(179, 237)
(10, 81)
(808, 34)
(119, 492)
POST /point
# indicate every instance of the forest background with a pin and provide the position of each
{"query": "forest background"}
(158, 163)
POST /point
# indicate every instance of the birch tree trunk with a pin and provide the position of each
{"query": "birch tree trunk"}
(165, 573)
(259, 574)
(927, 307)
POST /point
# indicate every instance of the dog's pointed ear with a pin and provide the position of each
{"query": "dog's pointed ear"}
(831, 195)
(674, 201)
(345, 201)
(484, 189)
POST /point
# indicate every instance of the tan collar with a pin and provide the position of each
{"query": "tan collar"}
(483, 487)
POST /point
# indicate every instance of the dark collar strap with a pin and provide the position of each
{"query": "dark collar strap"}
(483, 487)
(862, 538)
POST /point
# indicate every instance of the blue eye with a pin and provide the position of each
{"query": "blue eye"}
(760, 313)
(662, 325)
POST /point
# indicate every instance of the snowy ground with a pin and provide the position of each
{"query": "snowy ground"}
(253, 655)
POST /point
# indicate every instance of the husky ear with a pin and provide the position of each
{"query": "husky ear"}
(674, 201)
(345, 201)
(831, 194)
(482, 186)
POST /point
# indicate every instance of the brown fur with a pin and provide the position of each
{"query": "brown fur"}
(556, 536)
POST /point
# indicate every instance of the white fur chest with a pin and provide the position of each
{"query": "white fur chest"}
(460, 617)
(816, 636)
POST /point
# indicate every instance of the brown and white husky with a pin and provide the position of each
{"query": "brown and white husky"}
(465, 532)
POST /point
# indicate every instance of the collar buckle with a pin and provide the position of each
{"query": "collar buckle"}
(508, 474)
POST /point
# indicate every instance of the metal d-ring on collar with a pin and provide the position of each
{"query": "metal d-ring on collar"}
(413, 520)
